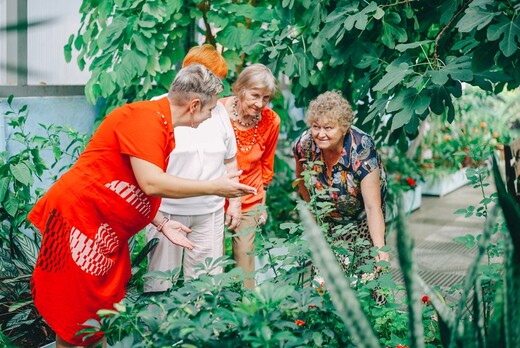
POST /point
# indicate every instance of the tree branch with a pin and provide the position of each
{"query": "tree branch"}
(443, 31)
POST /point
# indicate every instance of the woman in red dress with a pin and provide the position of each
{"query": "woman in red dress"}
(111, 193)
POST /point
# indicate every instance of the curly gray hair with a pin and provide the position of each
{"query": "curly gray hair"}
(194, 82)
(330, 106)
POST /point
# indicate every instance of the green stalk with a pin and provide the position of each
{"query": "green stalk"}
(344, 298)
(404, 251)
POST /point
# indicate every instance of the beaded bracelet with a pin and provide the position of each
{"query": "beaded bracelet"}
(162, 223)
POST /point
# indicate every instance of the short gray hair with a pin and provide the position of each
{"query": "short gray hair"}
(330, 106)
(194, 82)
(255, 76)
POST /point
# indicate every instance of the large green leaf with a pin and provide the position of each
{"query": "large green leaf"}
(108, 38)
(360, 19)
(395, 73)
(475, 17)
(11, 204)
(458, 68)
(258, 13)
(4, 186)
(22, 173)
(441, 101)
(509, 31)
(408, 104)
(393, 31)
(510, 209)
(156, 9)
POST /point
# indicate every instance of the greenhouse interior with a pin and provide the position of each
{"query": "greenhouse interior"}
(262, 173)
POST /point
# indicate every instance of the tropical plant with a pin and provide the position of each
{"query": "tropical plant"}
(19, 240)
(399, 59)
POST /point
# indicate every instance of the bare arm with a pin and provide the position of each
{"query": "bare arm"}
(155, 182)
(234, 210)
(371, 191)
(174, 231)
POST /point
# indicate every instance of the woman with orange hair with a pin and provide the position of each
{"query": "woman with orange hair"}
(201, 153)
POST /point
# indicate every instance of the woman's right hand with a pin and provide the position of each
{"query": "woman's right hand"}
(228, 186)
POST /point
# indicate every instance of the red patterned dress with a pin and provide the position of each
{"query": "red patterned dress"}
(88, 215)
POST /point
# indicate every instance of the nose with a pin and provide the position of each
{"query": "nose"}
(322, 133)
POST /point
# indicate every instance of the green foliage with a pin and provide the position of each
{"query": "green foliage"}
(19, 241)
(406, 59)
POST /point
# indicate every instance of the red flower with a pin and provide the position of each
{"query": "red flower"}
(312, 306)
(425, 300)
(401, 346)
(299, 322)
(411, 182)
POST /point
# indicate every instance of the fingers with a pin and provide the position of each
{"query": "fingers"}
(228, 220)
(246, 190)
(235, 174)
(235, 221)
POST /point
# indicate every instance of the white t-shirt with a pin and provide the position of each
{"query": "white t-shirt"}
(199, 154)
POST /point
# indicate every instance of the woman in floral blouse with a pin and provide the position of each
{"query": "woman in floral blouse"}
(348, 174)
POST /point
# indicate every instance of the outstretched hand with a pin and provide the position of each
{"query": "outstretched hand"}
(176, 233)
(228, 186)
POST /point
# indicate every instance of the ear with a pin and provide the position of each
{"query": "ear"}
(194, 105)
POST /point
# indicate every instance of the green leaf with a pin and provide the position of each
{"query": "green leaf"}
(156, 9)
(290, 64)
(68, 49)
(412, 45)
(108, 38)
(359, 20)
(393, 31)
(22, 173)
(11, 204)
(395, 73)
(441, 100)
(145, 46)
(510, 32)
(230, 36)
(259, 13)
(510, 209)
(4, 186)
(475, 18)
(458, 68)
(408, 103)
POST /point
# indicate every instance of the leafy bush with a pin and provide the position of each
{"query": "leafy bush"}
(19, 240)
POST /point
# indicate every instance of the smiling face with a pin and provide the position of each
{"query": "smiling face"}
(253, 101)
(201, 114)
(327, 135)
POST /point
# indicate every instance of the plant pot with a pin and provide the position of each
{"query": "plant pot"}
(440, 186)
(411, 201)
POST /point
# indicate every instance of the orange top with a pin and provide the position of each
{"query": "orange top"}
(88, 215)
(257, 161)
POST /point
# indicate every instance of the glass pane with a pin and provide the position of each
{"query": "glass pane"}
(46, 60)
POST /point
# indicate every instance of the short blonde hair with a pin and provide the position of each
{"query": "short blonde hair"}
(208, 56)
(194, 82)
(330, 106)
(255, 76)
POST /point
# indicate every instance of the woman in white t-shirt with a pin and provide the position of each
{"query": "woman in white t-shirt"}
(201, 153)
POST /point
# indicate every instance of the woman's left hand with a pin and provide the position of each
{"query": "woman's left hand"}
(176, 233)
(382, 256)
(262, 219)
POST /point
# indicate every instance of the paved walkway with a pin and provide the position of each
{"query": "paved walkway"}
(440, 260)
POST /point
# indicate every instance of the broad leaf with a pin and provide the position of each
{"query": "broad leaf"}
(108, 38)
(393, 30)
(407, 104)
(22, 173)
(395, 73)
(458, 68)
(510, 33)
(475, 18)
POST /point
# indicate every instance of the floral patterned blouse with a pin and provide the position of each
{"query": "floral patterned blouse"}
(359, 158)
